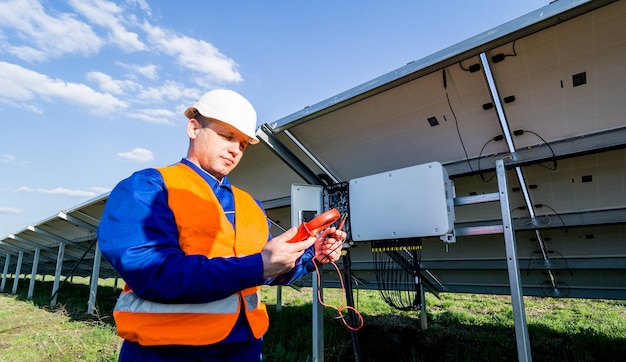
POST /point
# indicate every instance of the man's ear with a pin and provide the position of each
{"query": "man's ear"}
(193, 127)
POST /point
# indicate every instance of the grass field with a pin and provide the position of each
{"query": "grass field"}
(462, 327)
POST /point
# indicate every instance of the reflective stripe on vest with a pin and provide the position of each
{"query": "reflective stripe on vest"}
(130, 302)
(150, 323)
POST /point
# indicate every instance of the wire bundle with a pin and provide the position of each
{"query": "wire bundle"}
(397, 268)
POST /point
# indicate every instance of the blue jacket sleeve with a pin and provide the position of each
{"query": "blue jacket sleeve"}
(138, 235)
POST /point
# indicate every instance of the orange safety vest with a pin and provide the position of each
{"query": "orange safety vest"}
(189, 196)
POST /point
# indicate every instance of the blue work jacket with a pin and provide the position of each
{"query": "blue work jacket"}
(138, 235)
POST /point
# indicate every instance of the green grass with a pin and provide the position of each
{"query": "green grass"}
(461, 327)
(32, 333)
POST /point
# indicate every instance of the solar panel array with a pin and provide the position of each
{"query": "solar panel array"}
(545, 93)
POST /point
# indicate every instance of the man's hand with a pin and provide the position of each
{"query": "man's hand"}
(328, 245)
(280, 256)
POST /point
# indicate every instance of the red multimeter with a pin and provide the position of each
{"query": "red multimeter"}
(313, 227)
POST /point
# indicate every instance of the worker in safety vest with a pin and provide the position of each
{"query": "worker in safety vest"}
(194, 250)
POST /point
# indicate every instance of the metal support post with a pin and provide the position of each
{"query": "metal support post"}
(519, 314)
(33, 274)
(93, 285)
(7, 261)
(57, 274)
(318, 317)
(423, 314)
(279, 298)
(18, 271)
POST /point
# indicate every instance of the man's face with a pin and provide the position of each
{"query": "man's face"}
(218, 147)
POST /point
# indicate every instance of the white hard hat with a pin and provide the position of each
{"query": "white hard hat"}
(229, 107)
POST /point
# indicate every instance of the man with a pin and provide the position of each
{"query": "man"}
(194, 250)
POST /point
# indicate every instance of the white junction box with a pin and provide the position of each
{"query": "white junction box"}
(416, 201)
(306, 203)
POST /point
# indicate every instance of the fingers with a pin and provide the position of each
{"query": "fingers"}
(340, 235)
(329, 246)
(286, 236)
(333, 232)
(280, 256)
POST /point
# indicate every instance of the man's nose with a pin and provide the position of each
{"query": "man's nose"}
(234, 148)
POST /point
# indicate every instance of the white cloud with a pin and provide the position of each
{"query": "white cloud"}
(142, 4)
(12, 160)
(157, 116)
(108, 84)
(138, 155)
(170, 90)
(10, 210)
(47, 37)
(92, 192)
(99, 190)
(23, 86)
(149, 71)
(6, 158)
(110, 16)
(11, 82)
(196, 55)
(67, 192)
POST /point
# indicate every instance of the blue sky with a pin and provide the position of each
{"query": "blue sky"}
(92, 90)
